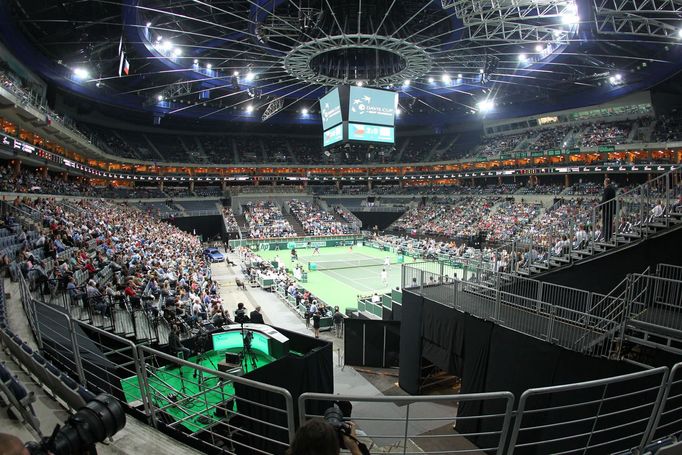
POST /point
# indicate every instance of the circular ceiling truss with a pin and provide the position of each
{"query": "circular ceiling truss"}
(298, 62)
(239, 54)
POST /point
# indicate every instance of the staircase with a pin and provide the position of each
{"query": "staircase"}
(645, 309)
(242, 223)
(293, 221)
(633, 222)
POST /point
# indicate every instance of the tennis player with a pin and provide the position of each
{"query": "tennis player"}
(316, 250)
(384, 277)
(387, 263)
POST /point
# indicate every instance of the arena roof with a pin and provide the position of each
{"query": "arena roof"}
(235, 59)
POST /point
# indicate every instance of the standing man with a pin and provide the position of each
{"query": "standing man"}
(256, 316)
(609, 208)
(387, 263)
(338, 322)
(384, 277)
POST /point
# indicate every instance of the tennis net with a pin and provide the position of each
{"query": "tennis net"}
(349, 263)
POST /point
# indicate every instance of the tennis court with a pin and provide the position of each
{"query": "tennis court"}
(343, 274)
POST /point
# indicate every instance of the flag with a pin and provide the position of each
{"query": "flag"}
(126, 66)
(120, 64)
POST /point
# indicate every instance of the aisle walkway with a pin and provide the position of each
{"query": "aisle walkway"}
(347, 381)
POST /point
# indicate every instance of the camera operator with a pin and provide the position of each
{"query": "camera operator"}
(240, 316)
(318, 437)
(175, 345)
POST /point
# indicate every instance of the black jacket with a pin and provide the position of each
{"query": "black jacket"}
(256, 317)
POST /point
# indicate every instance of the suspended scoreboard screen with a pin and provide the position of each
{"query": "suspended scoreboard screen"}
(358, 114)
(330, 109)
(373, 106)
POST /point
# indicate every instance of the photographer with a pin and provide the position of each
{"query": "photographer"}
(318, 437)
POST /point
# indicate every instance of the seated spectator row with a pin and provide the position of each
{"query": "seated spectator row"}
(265, 220)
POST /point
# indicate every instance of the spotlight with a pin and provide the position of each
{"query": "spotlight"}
(81, 73)
(612, 79)
(304, 111)
(523, 58)
(235, 74)
(538, 48)
(250, 76)
(166, 46)
(249, 108)
(406, 82)
(160, 97)
(485, 106)
(445, 78)
(619, 77)
(209, 66)
(149, 24)
(570, 18)
(196, 61)
(459, 75)
(480, 70)
(177, 52)
(159, 38)
(359, 83)
(431, 80)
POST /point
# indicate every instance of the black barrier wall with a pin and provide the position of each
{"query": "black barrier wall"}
(488, 357)
(207, 227)
(371, 343)
(380, 219)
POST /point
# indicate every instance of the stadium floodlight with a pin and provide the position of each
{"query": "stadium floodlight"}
(250, 76)
(196, 61)
(249, 108)
(166, 46)
(406, 83)
(485, 106)
(523, 58)
(359, 83)
(445, 78)
(236, 74)
(149, 24)
(459, 75)
(304, 111)
(81, 74)
(160, 97)
(612, 80)
(431, 80)
(209, 66)
(480, 70)
(159, 38)
(539, 48)
(177, 52)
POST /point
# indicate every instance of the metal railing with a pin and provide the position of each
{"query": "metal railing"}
(590, 416)
(390, 422)
(573, 318)
(166, 391)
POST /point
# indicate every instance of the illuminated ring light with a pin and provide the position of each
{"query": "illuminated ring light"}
(298, 62)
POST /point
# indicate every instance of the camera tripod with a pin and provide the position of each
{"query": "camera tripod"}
(247, 355)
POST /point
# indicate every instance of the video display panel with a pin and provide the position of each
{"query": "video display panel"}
(369, 105)
(330, 109)
(332, 135)
(371, 133)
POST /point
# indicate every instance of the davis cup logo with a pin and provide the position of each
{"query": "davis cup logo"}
(360, 105)
(328, 112)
